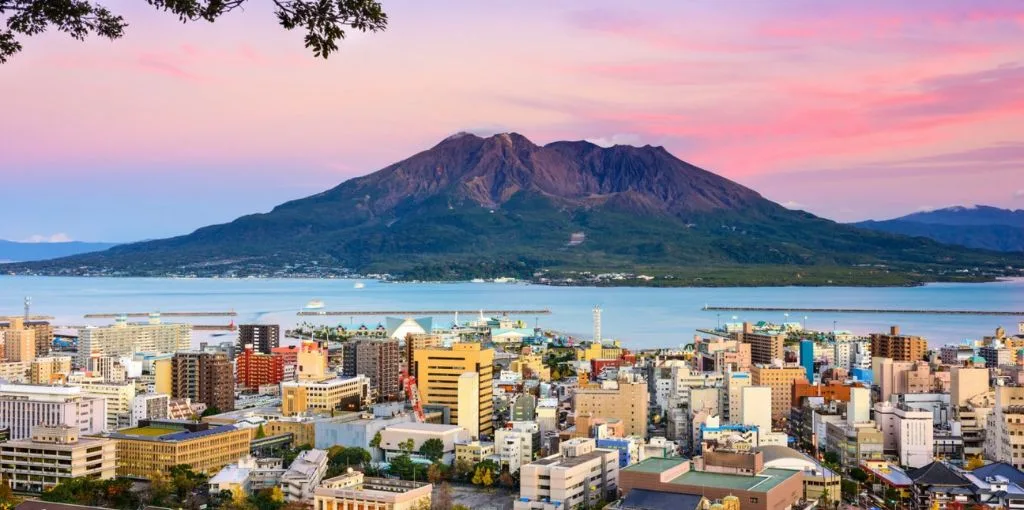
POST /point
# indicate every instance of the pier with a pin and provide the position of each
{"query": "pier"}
(231, 313)
(410, 313)
(856, 310)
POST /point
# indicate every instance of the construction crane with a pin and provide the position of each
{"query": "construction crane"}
(412, 392)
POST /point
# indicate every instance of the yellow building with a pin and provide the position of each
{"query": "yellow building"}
(19, 341)
(625, 399)
(49, 370)
(532, 364)
(438, 371)
(311, 362)
(162, 379)
(473, 452)
(304, 431)
(324, 396)
(158, 445)
(353, 491)
(597, 350)
(780, 379)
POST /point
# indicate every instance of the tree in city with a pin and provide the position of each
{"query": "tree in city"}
(160, 489)
(7, 498)
(831, 458)
(478, 476)
(432, 449)
(260, 433)
(375, 442)
(859, 475)
(975, 462)
(443, 500)
(487, 480)
(434, 473)
(209, 411)
(325, 22)
(505, 479)
(848, 489)
(463, 469)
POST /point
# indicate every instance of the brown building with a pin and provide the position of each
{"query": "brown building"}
(203, 377)
(780, 379)
(625, 399)
(376, 358)
(716, 478)
(898, 347)
(254, 369)
(764, 346)
(415, 342)
(262, 337)
(835, 390)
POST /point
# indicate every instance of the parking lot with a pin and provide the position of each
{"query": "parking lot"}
(478, 498)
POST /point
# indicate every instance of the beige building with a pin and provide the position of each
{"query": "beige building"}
(163, 376)
(49, 370)
(124, 339)
(311, 362)
(898, 347)
(120, 398)
(626, 399)
(15, 371)
(780, 379)
(765, 346)
(324, 396)
(54, 454)
(531, 364)
(158, 445)
(469, 403)
(580, 475)
(354, 491)
(392, 436)
(473, 452)
(19, 341)
(438, 371)
(966, 383)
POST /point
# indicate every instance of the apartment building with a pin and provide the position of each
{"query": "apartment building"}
(353, 491)
(49, 370)
(124, 339)
(625, 398)
(204, 377)
(324, 396)
(304, 475)
(473, 452)
(41, 330)
(263, 338)
(898, 347)
(780, 379)
(120, 399)
(378, 359)
(580, 475)
(155, 446)
(53, 454)
(150, 406)
(514, 444)
(23, 406)
(254, 369)
(765, 346)
(19, 341)
(438, 371)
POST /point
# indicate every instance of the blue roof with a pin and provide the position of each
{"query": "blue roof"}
(1000, 469)
(656, 500)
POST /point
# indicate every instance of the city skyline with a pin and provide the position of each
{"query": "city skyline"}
(851, 112)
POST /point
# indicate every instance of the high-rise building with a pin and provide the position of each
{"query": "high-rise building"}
(437, 375)
(126, 339)
(765, 346)
(262, 337)
(23, 406)
(378, 359)
(204, 377)
(898, 347)
(469, 403)
(625, 399)
(19, 341)
(859, 408)
(731, 406)
(807, 358)
(254, 369)
(415, 342)
(29, 464)
(41, 330)
(780, 379)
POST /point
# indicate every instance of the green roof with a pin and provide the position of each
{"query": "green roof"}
(763, 482)
(655, 464)
(149, 431)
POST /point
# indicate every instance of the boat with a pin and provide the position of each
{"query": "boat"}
(477, 280)
(315, 304)
(359, 285)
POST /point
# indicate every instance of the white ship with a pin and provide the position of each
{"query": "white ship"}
(359, 285)
(315, 304)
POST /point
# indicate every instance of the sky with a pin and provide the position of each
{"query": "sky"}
(849, 110)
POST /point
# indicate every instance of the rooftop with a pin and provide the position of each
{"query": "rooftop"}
(423, 427)
(764, 481)
(163, 431)
(656, 464)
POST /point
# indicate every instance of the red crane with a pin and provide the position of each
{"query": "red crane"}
(412, 392)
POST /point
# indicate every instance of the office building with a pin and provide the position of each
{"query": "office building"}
(732, 397)
(124, 339)
(378, 359)
(19, 341)
(203, 377)
(807, 358)
(898, 347)
(765, 346)
(49, 370)
(254, 369)
(414, 343)
(23, 406)
(625, 398)
(473, 452)
(996, 356)
(353, 491)
(263, 338)
(348, 394)
(304, 475)
(54, 454)
(514, 444)
(579, 476)
(438, 371)
(780, 379)
(155, 446)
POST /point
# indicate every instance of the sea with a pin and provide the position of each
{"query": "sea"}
(639, 317)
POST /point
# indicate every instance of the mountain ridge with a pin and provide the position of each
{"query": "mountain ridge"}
(978, 226)
(474, 206)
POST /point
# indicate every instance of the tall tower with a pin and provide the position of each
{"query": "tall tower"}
(597, 324)
(28, 305)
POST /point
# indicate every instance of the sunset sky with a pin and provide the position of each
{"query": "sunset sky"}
(850, 110)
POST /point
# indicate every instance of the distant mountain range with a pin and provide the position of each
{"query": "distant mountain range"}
(983, 227)
(504, 206)
(13, 251)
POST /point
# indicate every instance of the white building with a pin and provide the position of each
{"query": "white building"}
(547, 414)
(732, 397)
(304, 475)
(514, 444)
(859, 408)
(23, 406)
(908, 432)
(150, 406)
(580, 475)
(120, 397)
(54, 455)
(393, 436)
(127, 339)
